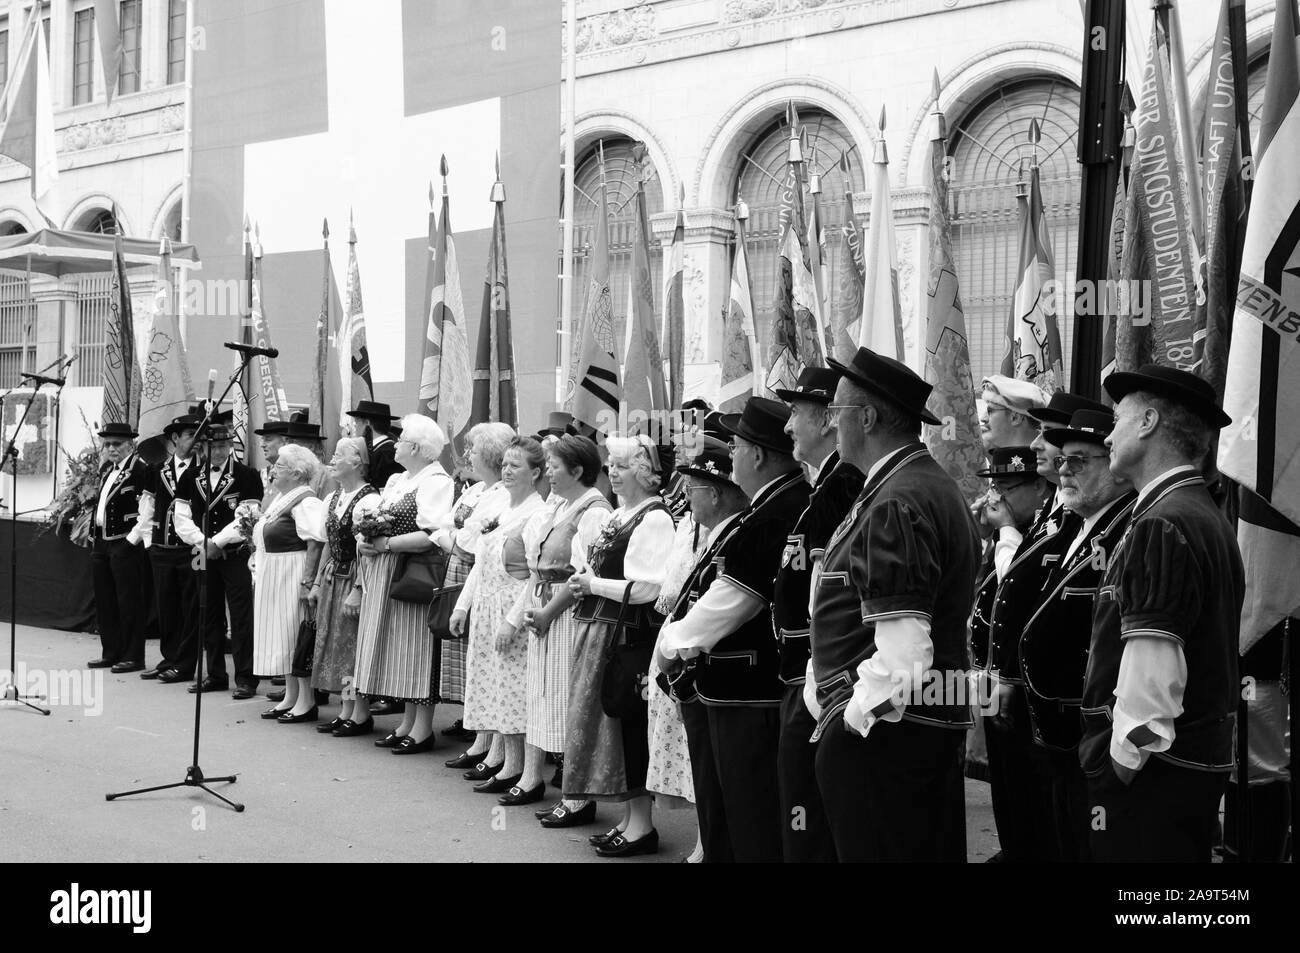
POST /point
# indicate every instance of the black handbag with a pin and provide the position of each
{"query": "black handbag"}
(440, 610)
(627, 661)
(417, 576)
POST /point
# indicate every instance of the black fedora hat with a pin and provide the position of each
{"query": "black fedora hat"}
(712, 462)
(1091, 426)
(888, 378)
(373, 410)
(762, 422)
(217, 433)
(1011, 461)
(1182, 387)
(1063, 406)
(816, 384)
(301, 430)
(122, 431)
(183, 422)
(558, 423)
(273, 428)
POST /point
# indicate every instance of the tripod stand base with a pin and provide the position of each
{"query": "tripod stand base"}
(193, 779)
(11, 695)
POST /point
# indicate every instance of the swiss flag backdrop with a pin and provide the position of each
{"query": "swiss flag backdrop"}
(305, 109)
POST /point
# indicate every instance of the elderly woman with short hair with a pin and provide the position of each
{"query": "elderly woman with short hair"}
(287, 539)
(395, 650)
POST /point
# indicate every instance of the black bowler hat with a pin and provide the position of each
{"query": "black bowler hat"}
(890, 379)
(217, 433)
(273, 428)
(558, 423)
(1011, 461)
(1182, 387)
(1063, 406)
(183, 422)
(816, 384)
(372, 409)
(301, 430)
(1091, 426)
(713, 462)
(123, 431)
(762, 422)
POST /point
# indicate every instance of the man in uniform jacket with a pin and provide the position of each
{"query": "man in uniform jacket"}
(174, 584)
(1160, 694)
(119, 567)
(216, 493)
(890, 605)
(729, 619)
(1054, 642)
(377, 419)
(835, 485)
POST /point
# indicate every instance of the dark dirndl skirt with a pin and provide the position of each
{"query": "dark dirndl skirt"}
(449, 673)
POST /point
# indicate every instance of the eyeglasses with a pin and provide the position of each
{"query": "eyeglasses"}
(692, 487)
(1077, 461)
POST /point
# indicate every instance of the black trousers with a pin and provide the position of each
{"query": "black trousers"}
(890, 797)
(120, 573)
(744, 741)
(1167, 814)
(805, 835)
(708, 792)
(1070, 815)
(229, 585)
(1020, 783)
(176, 596)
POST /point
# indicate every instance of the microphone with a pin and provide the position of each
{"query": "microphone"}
(42, 379)
(252, 351)
(212, 383)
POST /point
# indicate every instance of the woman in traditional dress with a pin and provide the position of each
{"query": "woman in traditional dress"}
(395, 650)
(497, 660)
(606, 758)
(287, 539)
(555, 542)
(335, 597)
(480, 503)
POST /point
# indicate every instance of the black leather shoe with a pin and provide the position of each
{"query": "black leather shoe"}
(171, 677)
(458, 732)
(353, 729)
(385, 707)
(561, 816)
(482, 771)
(101, 663)
(517, 796)
(329, 727)
(497, 785)
(465, 760)
(546, 810)
(409, 745)
(209, 684)
(595, 840)
(242, 691)
(620, 846)
(289, 718)
(275, 696)
(271, 714)
(122, 668)
(391, 741)
(151, 673)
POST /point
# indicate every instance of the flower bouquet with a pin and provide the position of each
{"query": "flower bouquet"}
(246, 516)
(74, 507)
(373, 524)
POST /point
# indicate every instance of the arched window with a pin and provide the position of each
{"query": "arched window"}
(621, 174)
(13, 228)
(172, 223)
(98, 222)
(760, 181)
(990, 149)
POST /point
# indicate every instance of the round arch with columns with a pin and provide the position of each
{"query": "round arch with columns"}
(594, 126)
(89, 206)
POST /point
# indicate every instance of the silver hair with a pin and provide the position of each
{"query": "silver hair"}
(357, 445)
(631, 453)
(490, 440)
(1184, 430)
(425, 435)
(299, 461)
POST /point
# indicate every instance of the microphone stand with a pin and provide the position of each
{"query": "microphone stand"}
(194, 777)
(11, 457)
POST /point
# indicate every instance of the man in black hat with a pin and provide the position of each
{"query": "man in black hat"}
(1160, 696)
(119, 568)
(805, 836)
(273, 435)
(216, 493)
(739, 679)
(377, 419)
(888, 634)
(174, 585)
(1053, 645)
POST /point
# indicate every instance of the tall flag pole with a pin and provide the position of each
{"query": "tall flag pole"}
(494, 362)
(320, 366)
(881, 326)
(266, 399)
(350, 347)
(597, 395)
(1260, 449)
(818, 261)
(644, 388)
(848, 299)
(675, 307)
(167, 388)
(740, 361)
(1033, 337)
(27, 115)
(1117, 301)
(1160, 244)
(797, 336)
(446, 380)
(241, 415)
(955, 442)
(121, 372)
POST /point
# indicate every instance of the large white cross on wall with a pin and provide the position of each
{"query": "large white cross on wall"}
(378, 162)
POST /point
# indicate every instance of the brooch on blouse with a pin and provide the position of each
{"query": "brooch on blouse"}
(490, 525)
